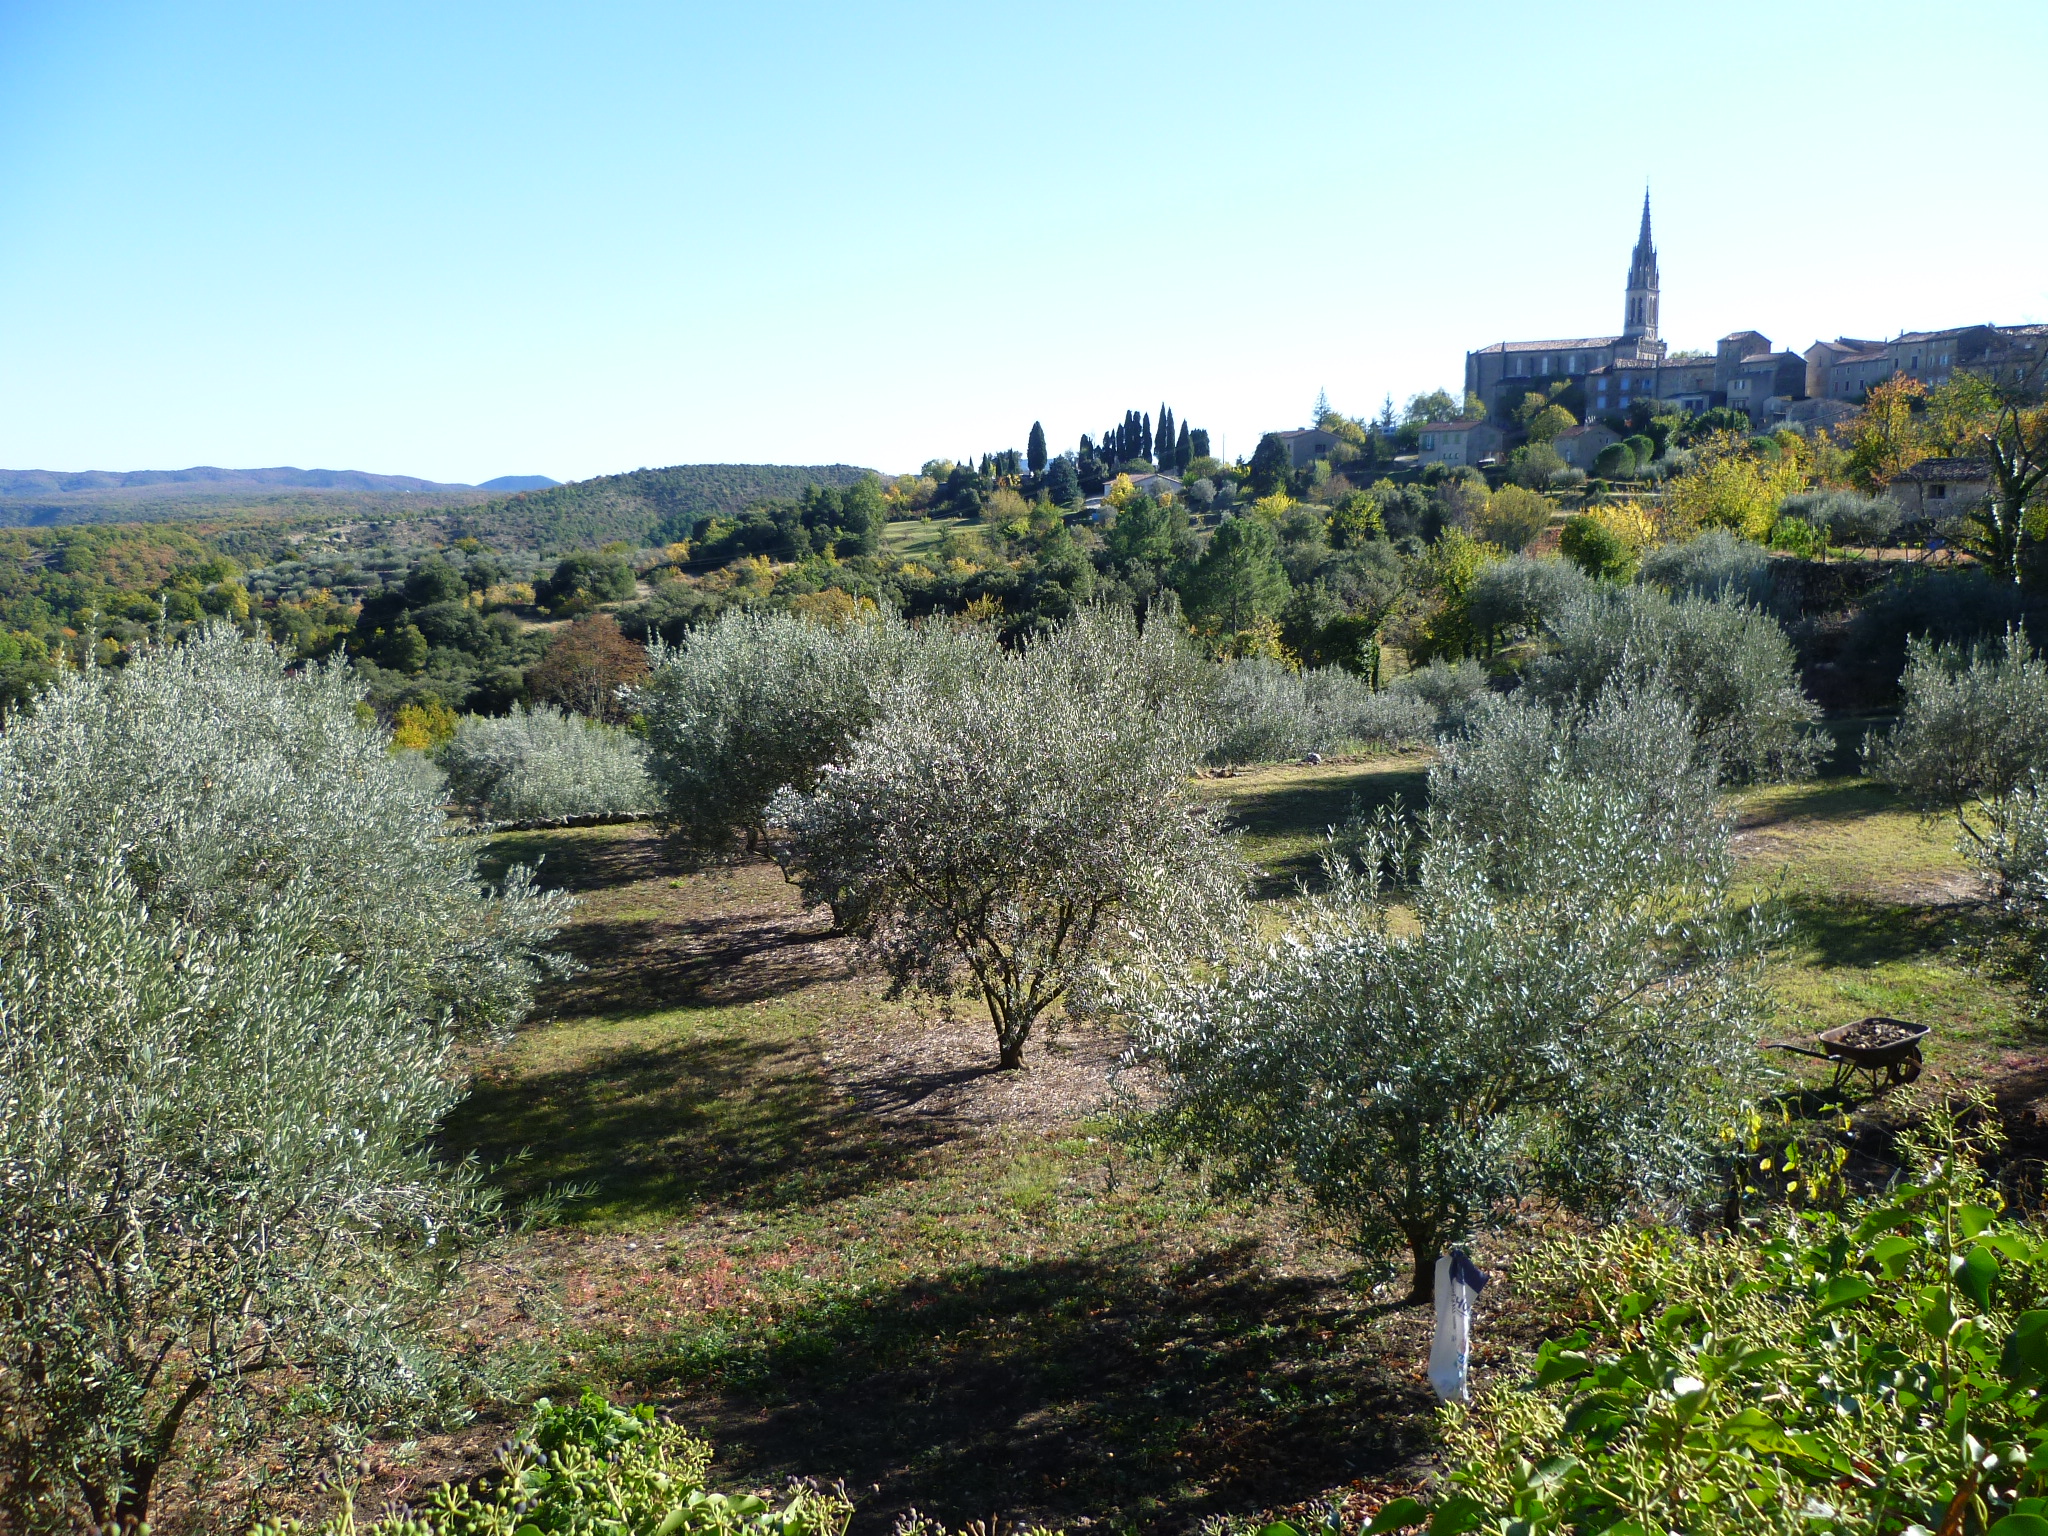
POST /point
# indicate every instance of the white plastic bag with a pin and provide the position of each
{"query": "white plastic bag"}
(1458, 1281)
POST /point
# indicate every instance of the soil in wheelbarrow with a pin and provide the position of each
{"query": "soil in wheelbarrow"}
(1871, 1035)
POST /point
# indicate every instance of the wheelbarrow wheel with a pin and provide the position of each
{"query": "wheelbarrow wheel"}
(1906, 1068)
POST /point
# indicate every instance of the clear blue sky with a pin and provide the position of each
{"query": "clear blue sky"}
(463, 240)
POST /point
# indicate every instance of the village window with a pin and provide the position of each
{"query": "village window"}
(1937, 490)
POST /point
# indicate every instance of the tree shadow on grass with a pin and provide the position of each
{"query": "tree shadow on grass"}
(1050, 1391)
(637, 965)
(585, 859)
(1309, 808)
(655, 1131)
(1853, 931)
(1839, 799)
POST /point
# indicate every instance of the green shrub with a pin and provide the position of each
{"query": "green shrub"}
(1974, 726)
(592, 1468)
(546, 765)
(1617, 461)
(1008, 833)
(236, 943)
(1382, 1056)
(1596, 548)
(1716, 563)
(1511, 598)
(1876, 1371)
(236, 780)
(757, 701)
(1264, 710)
(1731, 666)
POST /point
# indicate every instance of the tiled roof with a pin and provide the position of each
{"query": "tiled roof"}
(1950, 470)
(1463, 424)
(1581, 343)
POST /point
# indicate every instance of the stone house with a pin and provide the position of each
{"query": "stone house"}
(1307, 445)
(1937, 488)
(1581, 445)
(1458, 442)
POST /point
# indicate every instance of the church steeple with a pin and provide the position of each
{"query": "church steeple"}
(1641, 323)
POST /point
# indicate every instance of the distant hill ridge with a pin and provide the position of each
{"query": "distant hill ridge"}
(643, 506)
(48, 482)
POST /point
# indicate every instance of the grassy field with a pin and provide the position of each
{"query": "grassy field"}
(812, 1223)
(919, 538)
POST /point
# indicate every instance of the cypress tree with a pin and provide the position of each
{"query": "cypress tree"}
(1145, 437)
(1034, 450)
(1198, 440)
(1183, 451)
(1163, 439)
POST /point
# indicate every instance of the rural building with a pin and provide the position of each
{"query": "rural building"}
(1457, 442)
(1307, 445)
(1938, 488)
(1581, 445)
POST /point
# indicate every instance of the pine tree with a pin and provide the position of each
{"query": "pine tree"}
(1034, 450)
(1386, 423)
(1322, 408)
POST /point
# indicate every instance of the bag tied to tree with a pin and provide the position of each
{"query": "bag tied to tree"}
(1458, 1281)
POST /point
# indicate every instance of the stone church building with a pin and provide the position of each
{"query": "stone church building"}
(1617, 371)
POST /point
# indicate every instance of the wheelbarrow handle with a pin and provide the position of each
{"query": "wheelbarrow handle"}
(1799, 1050)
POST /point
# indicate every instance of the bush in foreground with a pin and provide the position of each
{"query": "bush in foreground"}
(235, 782)
(546, 766)
(237, 947)
(1872, 1372)
(1973, 729)
(591, 1467)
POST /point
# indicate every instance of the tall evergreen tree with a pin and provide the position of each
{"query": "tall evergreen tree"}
(1198, 440)
(1162, 439)
(1386, 422)
(1145, 437)
(1183, 451)
(1322, 408)
(1034, 450)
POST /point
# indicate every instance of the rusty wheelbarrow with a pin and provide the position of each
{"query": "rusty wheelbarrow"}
(1884, 1051)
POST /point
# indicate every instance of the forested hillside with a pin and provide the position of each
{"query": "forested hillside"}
(650, 506)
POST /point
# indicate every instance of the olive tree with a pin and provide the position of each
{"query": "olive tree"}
(1573, 1017)
(1972, 730)
(1730, 663)
(1972, 740)
(757, 701)
(237, 950)
(238, 779)
(1007, 832)
(546, 765)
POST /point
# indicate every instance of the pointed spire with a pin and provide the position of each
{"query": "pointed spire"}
(1643, 240)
